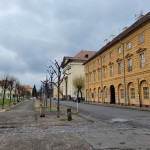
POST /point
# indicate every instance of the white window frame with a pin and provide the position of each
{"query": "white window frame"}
(121, 93)
(119, 68)
(119, 50)
(111, 54)
(140, 38)
(104, 58)
(146, 92)
(132, 90)
(111, 70)
(129, 64)
(129, 45)
(104, 72)
(99, 74)
(142, 60)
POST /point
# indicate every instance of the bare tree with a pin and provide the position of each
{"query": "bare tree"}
(78, 83)
(12, 80)
(16, 92)
(22, 91)
(4, 84)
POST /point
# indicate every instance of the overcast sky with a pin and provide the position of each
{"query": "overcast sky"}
(33, 32)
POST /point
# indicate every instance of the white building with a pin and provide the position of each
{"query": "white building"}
(72, 66)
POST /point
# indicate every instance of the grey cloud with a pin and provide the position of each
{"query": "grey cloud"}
(32, 32)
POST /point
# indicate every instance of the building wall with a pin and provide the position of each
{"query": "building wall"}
(135, 79)
(7, 93)
(73, 69)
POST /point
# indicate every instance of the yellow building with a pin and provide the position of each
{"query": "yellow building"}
(119, 73)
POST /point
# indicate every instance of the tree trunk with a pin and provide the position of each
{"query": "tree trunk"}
(10, 99)
(81, 94)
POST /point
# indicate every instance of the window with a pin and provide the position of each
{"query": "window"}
(86, 56)
(99, 74)
(140, 38)
(119, 68)
(132, 93)
(99, 61)
(106, 93)
(94, 76)
(111, 70)
(89, 67)
(104, 72)
(111, 55)
(90, 77)
(93, 64)
(129, 65)
(104, 58)
(142, 60)
(146, 92)
(119, 50)
(128, 45)
(122, 93)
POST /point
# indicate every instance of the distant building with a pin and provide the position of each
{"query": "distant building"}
(119, 72)
(72, 66)
(28, 88)
(7, 90)
(55, 91)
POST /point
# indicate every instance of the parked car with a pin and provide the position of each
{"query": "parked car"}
(74, 99)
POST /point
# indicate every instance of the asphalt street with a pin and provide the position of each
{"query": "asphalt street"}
(137, 118)
(94, 128)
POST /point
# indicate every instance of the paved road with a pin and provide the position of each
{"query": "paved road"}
(22, 129)
(20, 115)
(136, 118)
(96, 128)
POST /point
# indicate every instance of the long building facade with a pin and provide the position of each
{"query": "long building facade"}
(119, 73)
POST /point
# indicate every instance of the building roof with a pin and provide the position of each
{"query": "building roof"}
(82, 56)
(27, 87)
(123, 34)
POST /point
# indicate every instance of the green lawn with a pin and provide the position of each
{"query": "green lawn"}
(6, 101)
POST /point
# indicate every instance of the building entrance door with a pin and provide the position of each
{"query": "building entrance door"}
(112, 95)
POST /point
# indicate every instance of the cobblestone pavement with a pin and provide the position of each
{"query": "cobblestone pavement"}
(23, 129)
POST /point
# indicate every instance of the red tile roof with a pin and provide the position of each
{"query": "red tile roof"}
(27, 87)
(82, 56)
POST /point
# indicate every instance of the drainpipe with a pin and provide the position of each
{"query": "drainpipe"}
(101, 81)
(124, 74)
(139, 93)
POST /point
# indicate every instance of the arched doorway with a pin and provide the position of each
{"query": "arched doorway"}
(144, 93)
(112, 95)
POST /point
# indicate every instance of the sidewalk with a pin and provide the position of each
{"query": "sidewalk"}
(118, 106)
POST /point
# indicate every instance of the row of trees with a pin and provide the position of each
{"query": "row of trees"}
(55, 78)
(10, 83)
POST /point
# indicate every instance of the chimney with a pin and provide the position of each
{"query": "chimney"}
(112, 37)
(124, 28)
(106, 41)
